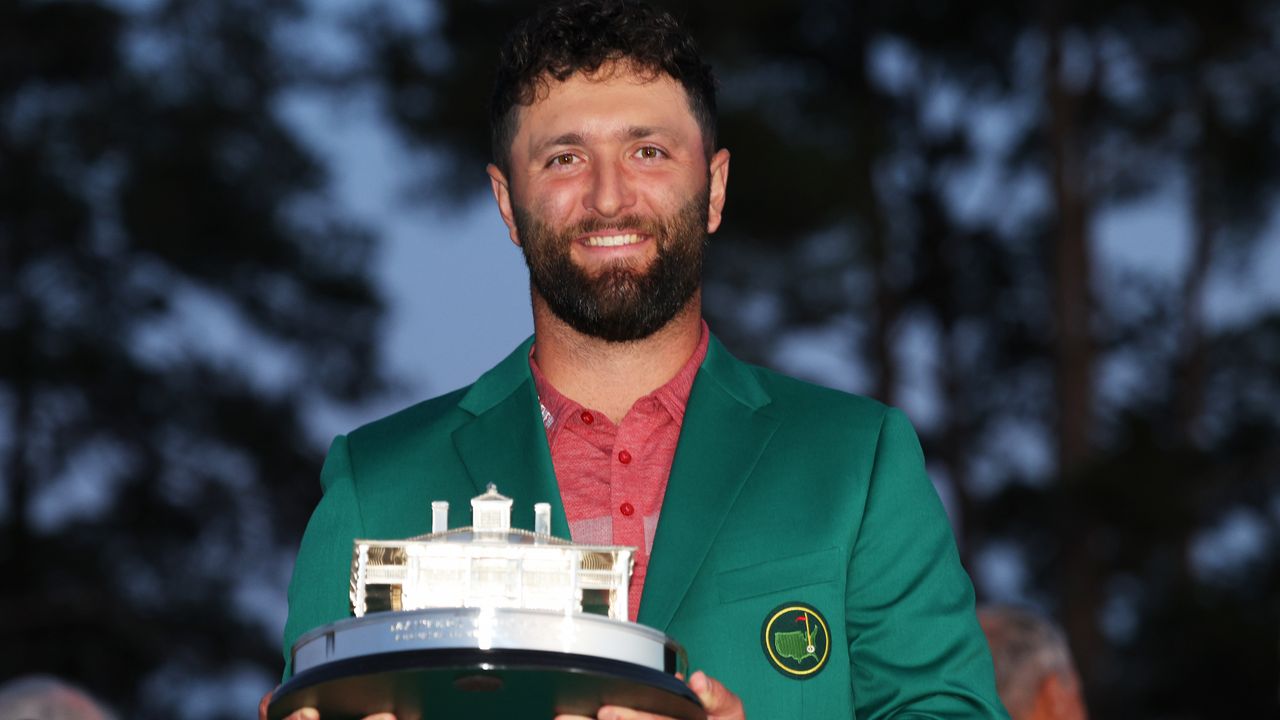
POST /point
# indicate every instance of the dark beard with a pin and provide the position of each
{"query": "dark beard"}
(620, 303)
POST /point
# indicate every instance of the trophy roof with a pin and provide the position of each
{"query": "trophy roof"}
(491, 494)
(513, 536)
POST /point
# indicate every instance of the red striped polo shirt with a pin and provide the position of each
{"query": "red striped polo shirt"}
(612, 477)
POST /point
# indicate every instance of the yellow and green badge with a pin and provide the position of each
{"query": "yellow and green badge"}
(796, 640)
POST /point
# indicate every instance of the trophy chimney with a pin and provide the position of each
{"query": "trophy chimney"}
(439, 516)
(542, 518)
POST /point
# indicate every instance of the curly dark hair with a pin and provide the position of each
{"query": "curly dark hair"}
(572, 36)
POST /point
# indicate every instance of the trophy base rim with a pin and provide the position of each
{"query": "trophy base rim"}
(479, 684)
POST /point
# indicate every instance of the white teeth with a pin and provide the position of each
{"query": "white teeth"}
(612, 240)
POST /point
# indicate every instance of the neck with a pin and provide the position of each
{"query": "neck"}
(610, 376)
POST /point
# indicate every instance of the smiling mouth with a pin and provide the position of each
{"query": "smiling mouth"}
(613, 240)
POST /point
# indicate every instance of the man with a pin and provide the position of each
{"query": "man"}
(1034, 673)
(786, 534)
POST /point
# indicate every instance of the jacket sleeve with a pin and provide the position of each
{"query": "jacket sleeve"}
(319, 590)
(915, 647)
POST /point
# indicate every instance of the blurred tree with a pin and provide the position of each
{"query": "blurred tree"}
(1178, 98)
(937, 169)
(175, 292)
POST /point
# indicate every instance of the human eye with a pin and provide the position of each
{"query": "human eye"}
(649, 152)
(563, 160)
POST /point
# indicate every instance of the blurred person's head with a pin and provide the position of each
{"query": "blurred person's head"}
(41, 697)
(1035, 675)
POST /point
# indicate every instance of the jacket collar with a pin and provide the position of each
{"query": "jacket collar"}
(504, 443)
(500, 381)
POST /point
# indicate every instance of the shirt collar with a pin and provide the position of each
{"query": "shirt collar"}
(673, 395)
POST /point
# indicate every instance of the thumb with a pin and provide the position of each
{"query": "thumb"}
(715, 698)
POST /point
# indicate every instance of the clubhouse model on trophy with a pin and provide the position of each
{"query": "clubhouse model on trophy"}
(486, 621)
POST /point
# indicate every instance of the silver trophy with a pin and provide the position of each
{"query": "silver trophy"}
(486, 621)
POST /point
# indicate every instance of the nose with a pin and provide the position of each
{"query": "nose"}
(611, 192)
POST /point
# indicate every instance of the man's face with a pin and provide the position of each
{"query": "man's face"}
(611, 197)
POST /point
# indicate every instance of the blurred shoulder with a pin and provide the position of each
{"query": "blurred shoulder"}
(419, 422)
(795, 396)
(795, 401)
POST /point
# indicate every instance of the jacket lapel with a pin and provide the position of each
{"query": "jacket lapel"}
(506, 444)
(725, 430)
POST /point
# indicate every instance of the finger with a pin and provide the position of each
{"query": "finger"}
(709, 691)
(380, 716)
(715, 697)
(262, 705)
(305, 714)
(700, 684)
(612, 712)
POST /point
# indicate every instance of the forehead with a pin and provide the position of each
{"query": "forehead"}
(599, 104)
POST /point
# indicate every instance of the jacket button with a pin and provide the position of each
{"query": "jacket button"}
(627, 509)
(624, 457)
(587, 418)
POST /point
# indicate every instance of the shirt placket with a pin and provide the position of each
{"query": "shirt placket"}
(623, 486)
(629, 490)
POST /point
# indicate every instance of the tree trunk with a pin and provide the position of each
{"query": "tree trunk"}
(17, 465)
(1074, 350)
(956, 445)
(868, 139)
(1072, 293)
(1192, 360)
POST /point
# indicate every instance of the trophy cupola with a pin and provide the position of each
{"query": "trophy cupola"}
(490, 512)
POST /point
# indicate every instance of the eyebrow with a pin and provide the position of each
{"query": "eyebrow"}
(637, 132)
(633, 132)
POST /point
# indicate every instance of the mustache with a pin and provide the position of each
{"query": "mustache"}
(646, 225)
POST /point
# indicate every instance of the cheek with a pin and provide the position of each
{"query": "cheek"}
(551, 186)
(554, 204)
(558, 206)
(673, 189)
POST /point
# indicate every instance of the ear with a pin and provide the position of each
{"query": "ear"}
(719, 172)
(502, 194)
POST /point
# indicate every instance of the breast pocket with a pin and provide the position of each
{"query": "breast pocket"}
(779, 575)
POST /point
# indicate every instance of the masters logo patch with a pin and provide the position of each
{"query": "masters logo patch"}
(796, 640)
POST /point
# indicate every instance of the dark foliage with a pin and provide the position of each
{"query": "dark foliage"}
(163, 239)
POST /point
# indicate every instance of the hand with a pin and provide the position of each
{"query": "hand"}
(717, 700)
(309, 713)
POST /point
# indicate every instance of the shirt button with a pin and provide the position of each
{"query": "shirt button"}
(627, 509)
(587, 418)
(624, 457)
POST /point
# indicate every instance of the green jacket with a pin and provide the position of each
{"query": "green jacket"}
(781, 493)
